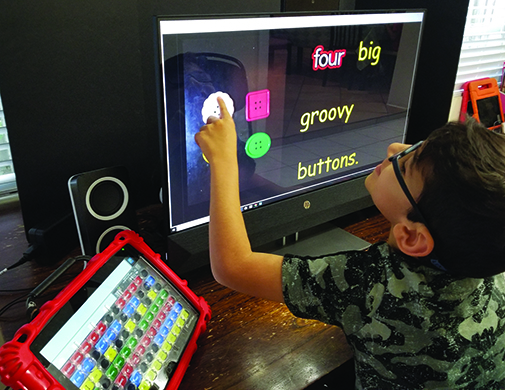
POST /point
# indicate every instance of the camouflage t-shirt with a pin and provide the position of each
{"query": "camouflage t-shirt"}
(410, 326)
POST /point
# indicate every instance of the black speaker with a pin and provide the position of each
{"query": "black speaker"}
(102, 207)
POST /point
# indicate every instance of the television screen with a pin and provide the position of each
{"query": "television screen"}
(316, 99)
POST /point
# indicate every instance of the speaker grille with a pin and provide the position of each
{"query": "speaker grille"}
(107, 198)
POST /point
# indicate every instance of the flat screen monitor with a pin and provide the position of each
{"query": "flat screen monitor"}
(316, 99)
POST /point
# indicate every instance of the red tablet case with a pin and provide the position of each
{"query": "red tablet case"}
(20, 368)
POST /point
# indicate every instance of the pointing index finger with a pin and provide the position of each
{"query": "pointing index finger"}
(222, 106)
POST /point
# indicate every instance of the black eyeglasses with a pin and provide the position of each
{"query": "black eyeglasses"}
(398, 173)
(396, 166)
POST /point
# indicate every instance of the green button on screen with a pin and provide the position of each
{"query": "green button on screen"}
(258, 145)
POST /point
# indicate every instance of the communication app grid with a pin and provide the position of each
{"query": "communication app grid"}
(129, 334)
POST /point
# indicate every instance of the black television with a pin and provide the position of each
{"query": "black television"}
(316, 98)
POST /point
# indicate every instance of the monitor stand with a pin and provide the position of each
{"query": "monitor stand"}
(324, 239)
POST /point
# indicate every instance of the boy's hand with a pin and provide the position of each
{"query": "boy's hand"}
(218, 138)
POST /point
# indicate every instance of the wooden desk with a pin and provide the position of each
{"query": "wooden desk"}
(249, 343)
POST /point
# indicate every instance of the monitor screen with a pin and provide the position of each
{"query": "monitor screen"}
(316, 99)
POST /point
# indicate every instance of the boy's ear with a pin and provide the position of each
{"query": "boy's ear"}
(413, 239)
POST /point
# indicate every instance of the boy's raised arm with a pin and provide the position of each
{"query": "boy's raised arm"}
(233, 262)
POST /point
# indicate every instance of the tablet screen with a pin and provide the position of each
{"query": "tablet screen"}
(126, 328)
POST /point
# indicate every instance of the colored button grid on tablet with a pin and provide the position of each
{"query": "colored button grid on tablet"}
(131, 344)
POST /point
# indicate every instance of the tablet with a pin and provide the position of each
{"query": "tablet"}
(482, 101)
(126, 322)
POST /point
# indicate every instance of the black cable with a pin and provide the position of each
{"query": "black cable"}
(31, 307)
(16, 301)
(12, 303)
(26, 290)
(37, 291)
(17, 290)
(28, 255)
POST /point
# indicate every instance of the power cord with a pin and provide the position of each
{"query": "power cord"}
(28, 255)
(31, 306)
(12, 303)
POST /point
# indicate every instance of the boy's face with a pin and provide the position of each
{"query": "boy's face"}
(383, 185)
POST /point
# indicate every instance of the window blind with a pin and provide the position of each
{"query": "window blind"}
(483, 49)
(7, 176)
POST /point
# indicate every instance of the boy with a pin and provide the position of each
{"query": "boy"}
(424, 310)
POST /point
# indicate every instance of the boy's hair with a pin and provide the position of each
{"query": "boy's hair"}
(463, 197)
